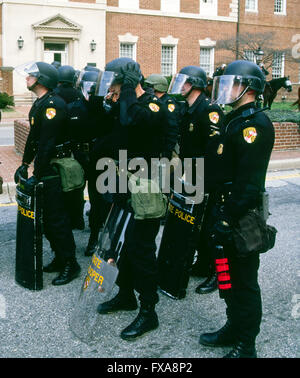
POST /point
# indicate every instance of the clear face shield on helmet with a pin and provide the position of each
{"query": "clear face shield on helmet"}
(177, 83)
(227, 89)
(28, 69)
(87, 88)
(104, 83)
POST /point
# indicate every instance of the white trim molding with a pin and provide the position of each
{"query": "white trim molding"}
(207, 42)
(169, 40)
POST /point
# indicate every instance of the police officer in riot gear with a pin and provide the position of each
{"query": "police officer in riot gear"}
(160, 87)
(139, 128)
(48, 120)
(65, 87)
(244, 152)
(56, 64)
(85, 125)
(200, 128)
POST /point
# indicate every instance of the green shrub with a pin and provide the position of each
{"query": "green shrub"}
(6, 100)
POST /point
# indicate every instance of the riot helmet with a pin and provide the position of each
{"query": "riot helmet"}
(66, 74)
(239, 77)
(193, 75)
(56, 64)
(46, 74)
(86, 82)
(157, 82)
(114, 74)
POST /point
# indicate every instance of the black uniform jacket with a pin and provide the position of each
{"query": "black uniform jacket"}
(48, 128)
(68, 93)
(172, 126)
(137, 125)
(86, 121)
(200, 125)
(244, 154)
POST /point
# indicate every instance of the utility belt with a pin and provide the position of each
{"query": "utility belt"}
(63, 150)
(83, 146)
(262, 205)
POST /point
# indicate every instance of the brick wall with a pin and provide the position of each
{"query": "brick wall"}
(6, 84)
(287, 135)
(21, 131)
(150, 29)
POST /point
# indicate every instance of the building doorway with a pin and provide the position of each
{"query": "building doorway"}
(56, 51)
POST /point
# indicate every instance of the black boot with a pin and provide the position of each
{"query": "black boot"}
(121, 302)
(70, 271)
(92, 245)
(242, 350)
(54, 266)
(145, 321)
(209, 285)
(223, 337)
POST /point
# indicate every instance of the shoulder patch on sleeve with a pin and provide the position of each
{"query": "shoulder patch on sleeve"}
(250, 134)
(214, 117)
(50, 113)
(171, 107)
(154, 107)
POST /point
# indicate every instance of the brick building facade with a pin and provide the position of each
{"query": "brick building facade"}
(165, 35)
(162, 35)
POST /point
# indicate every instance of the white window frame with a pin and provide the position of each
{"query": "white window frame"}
(133, 51)
(250, 54)
(169, 41)
(208, 7)
(211, 52)
(283, 12)
(255, 9)
(282, 57)
(128, 39)
(170, 6)
(129, 4)
(208, 43)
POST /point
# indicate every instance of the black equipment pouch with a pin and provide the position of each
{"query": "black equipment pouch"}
(251, 234)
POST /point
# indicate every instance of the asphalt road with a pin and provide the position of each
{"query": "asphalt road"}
(37, 324)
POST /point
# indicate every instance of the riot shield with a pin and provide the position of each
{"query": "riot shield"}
(101, 276)
(29, 238)
(177, 248)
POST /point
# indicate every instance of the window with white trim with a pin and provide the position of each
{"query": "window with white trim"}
(168, 63)
(208, 7)
(207, 59)
(280, 6)
(129, 4)
(249, 55)
(127, 50)
(170, 6)
(278, 65)
(251, 5)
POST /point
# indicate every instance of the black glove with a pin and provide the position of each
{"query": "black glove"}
(222, 233)
(30, 183)
(132, 75)
(21, 172)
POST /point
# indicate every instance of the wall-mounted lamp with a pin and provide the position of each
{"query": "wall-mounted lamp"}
(93, 45)
(20, 42)
(259, 54)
